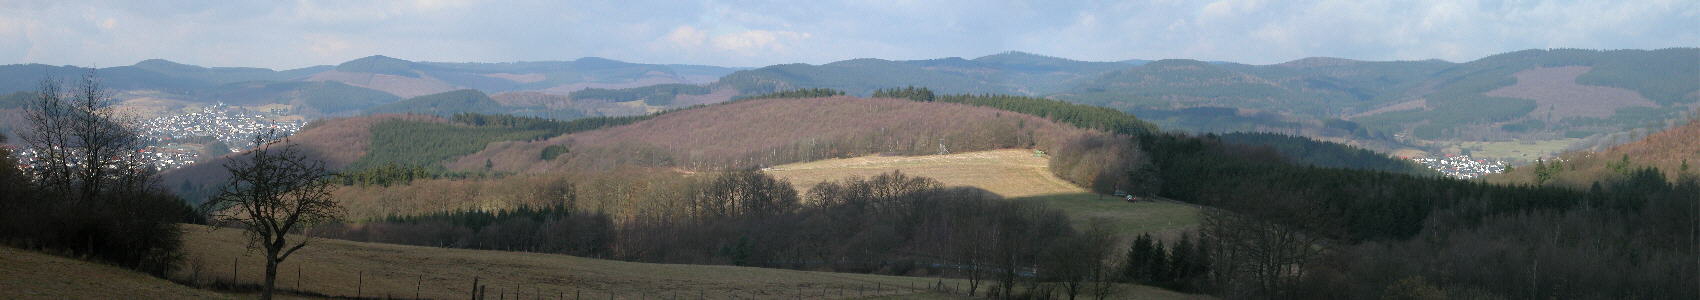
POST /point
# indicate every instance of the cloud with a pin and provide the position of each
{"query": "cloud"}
(686, 36)
(328, 46)
(753, 42)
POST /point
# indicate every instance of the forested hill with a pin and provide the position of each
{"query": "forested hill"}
(419, 144)
(336, 142)
(1529, 95)
(442, 104)
(1674, 152)
(761, 132)
(1006, 73)
(1305, 151)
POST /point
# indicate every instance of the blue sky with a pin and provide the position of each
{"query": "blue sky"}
(290, 34)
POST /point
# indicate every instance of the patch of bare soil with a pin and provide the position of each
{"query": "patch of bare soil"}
(402, 86)
(1556, 92)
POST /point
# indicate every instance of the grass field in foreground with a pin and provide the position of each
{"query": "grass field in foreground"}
(1155, 217)
(33, 275)
(343, 268)
(1015, 174)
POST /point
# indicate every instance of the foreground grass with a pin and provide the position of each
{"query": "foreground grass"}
(348, 269)
(1126, 219)
(33, 275)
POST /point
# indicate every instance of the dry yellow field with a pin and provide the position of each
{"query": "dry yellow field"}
(1011, 173)
(343, 268)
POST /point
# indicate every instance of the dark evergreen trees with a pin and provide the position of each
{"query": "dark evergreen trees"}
(912, 93)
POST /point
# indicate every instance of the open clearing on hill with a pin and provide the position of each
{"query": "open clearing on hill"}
(1556, 92)
(32, 275)
(344, 268)
(1011, 173)
(1517, 151)
(1015, 174)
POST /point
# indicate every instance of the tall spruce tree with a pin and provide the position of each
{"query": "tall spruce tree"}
(1138, 257)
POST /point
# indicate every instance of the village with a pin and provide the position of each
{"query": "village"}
(179, 140)
(1461, 166)
(234, 126)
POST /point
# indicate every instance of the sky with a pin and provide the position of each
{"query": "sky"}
(293, 34)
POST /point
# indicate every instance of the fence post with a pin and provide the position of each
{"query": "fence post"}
(474, 287)
(234, 278)
(417, 285)
(360, 284)
(298, 277)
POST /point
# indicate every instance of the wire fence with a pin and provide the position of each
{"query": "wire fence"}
(373, 285)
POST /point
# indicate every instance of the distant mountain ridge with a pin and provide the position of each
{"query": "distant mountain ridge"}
(1411, 102)
(1530, 94)
(366, 83)
(1009, 72)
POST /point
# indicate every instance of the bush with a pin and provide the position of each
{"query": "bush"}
(553, 151)
(136, 231)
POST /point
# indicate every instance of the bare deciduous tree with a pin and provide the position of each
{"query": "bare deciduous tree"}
(84, 148)
(1260, 256)
(274, 190)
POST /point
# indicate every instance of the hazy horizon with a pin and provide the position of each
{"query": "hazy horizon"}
(753, 34)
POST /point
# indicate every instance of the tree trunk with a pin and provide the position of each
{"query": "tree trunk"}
(271, 278)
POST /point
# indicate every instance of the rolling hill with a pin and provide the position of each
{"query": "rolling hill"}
(153, 74)
(1386, 105)
(442, 104)
(1675, 152)
(367, 83)
(307, 98)
(766, 132)
(1580, 97)
(336, 142)
(408, 78)
(1005, 73)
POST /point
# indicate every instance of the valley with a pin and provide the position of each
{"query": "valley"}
(1009, 150)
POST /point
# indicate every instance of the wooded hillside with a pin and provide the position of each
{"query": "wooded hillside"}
(1674, 152)
(767, 132)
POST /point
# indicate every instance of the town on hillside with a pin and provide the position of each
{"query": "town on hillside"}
(179, 140)
(1461, 166)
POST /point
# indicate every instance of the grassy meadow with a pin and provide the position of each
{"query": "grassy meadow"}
(348, 269)
(1015, 174)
